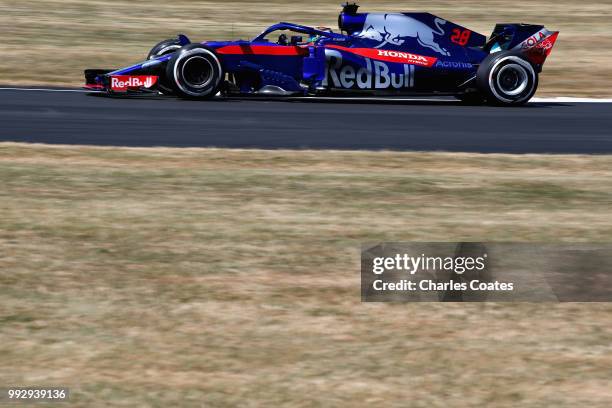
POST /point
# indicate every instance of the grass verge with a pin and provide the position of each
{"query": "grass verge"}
(204, 277)
(52, 41)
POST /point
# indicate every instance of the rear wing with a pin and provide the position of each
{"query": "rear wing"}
(534, 41)
(537, 50)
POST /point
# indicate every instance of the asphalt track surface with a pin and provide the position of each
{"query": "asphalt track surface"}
(71, 117)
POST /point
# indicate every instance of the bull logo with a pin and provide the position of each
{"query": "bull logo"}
(395, 28)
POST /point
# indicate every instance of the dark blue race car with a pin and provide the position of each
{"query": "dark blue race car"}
(374, 54)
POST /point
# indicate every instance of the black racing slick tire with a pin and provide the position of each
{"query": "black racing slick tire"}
(506, 78)
(163, 48)
(195, 72)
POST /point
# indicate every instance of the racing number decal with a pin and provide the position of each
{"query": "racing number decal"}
(460, 36)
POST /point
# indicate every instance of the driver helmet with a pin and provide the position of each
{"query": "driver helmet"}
(314, 37)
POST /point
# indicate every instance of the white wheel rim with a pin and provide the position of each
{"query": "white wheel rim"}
(522, 80)
(525, 67)
(195, 60)
(188, 54)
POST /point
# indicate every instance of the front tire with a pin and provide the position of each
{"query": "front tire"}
(506, 78)
(195, 72)
(163, 48)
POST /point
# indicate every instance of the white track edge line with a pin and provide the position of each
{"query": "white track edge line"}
(570, 99)
(558, 99)
(47, 90)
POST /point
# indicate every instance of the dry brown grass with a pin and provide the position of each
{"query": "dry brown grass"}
(52, 41)
(215, 278)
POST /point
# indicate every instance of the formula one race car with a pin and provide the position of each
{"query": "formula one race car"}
(375, 54)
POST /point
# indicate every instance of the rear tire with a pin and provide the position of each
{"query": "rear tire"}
(506, 78)
(163, 48)
(195, 72)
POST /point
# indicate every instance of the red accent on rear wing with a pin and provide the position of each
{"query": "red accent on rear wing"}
(538, 53)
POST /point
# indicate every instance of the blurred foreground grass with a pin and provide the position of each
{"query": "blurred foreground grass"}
(52, 41)
(215, 278)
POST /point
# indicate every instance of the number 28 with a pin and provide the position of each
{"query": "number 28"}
(461, 37)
